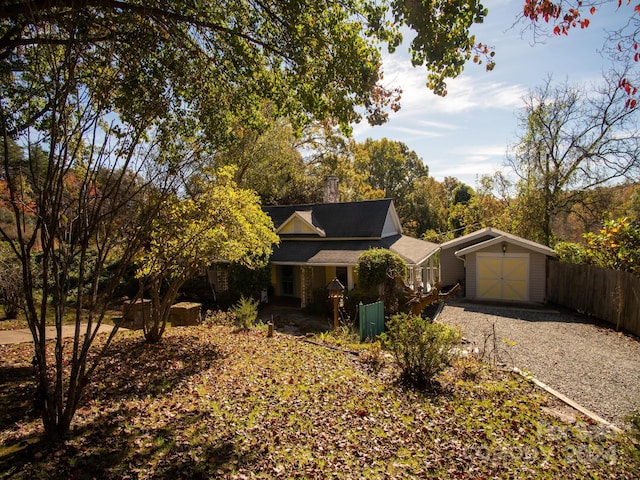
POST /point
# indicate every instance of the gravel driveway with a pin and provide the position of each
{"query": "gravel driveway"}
(591, 364)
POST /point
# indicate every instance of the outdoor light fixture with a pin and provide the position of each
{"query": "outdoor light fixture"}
(504, 247)
(335, 292)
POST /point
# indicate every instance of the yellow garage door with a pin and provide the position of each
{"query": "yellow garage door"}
(502, 277)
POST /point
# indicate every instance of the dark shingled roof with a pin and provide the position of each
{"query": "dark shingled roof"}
(363, 221)
(346, 252)
(339, 220)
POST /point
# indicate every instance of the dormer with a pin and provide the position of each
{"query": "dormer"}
(300, 223)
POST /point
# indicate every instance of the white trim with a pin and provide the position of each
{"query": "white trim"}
(508, 239)
(303, 216)
(392, 225)
(471, 236)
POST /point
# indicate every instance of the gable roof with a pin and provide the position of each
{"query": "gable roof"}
(300, 222)
(489, 236)
(365, 219)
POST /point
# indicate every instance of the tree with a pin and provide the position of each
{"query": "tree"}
(460, 196)
(562, 16)
(571, 142)
(127, 99)
(426, 207)
(223, 223)
(390, 167)
(616, 245)
(266, 160)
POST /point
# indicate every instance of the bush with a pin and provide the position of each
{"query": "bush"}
(11, 287)
(357, 295)
(246, 312)
(422, 348)
(377, 268)
(569, 252)
(376, 264)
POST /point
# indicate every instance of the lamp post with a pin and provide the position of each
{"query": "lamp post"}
(335, 292)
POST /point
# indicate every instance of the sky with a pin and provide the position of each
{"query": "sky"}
(466, 133)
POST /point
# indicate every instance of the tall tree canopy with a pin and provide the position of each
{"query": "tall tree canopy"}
(390, 167)
(572, 141)
(127, 98)
(207, 59)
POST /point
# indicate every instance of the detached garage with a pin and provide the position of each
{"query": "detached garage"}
(495, 265)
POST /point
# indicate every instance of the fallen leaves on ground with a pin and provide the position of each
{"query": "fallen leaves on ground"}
(209, 402)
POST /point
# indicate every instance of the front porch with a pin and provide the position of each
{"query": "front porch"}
(308, 283)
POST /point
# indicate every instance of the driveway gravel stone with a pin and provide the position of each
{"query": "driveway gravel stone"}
(588, 362)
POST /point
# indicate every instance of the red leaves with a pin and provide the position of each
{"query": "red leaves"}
(549, 11)
(630, 90)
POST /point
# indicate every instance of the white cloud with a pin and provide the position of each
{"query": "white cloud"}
(467, 92)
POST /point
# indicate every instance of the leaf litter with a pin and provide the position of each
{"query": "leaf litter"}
(211, 402)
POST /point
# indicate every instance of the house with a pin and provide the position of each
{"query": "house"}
(323, 241)
(495, 265)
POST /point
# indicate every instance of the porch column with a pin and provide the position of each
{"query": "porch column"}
(306, 289)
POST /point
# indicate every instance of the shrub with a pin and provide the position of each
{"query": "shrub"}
(375, 265)
(246, 312)
(11, 288)
(422, 348)
(569, 252)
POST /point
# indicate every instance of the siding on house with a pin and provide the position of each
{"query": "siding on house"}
(452, 268)
(538, 277)
(470, 287)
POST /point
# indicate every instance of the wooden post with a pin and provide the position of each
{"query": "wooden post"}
(270, 329)
(335, 313)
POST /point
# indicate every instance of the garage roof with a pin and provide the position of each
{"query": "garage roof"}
(500, 237)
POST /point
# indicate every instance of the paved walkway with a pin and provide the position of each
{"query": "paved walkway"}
(8, 337)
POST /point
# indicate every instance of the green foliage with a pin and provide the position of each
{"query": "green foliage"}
(421, 347)
(247, 281)
(377, 264)
(224, 221)
(616, 245)
(359, 294)
(573, 141)
(246, 312)
(634, 435)
(569, 252)
(11, 285)
(389, 166)
(378, 268)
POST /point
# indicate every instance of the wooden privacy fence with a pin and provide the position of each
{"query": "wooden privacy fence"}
(610, 295)
(371, 318)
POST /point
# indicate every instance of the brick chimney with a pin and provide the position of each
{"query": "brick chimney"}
(331, 193)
